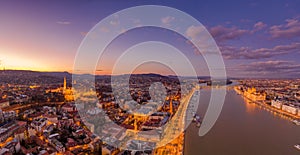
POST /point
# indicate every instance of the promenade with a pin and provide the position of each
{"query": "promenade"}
(175, 145)
(269, 107)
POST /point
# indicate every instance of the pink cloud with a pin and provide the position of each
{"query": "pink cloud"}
(167, 20)
(221, 33)
(272, 66)
(83, 33)
(63, 22)
(258, 26)
(194, 31)
(230, 52)
(288, 30)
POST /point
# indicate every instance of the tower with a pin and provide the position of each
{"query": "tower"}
(171, 106)
(26, 133)
(65, 83)
(135, 123)
(1, 116)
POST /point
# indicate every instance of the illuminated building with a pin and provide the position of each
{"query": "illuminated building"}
(276, 103)
(290, 109)
(135, 123)
(252, 94)
(171, 106)
(68, 92)
(65, 83)
(4, 104)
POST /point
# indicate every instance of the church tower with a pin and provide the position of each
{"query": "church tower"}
(135, 123)
(65, 83)
(171, 106)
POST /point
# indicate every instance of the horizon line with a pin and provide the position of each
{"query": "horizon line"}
(228, 77)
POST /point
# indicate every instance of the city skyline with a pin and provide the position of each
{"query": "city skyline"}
(256, 39)
(149, 77)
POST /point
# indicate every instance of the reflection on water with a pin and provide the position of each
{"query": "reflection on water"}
(250, 106)
(243, 128)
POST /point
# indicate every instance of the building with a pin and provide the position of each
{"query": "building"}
(71, 143)
(276, 103)
(13, 146)
(9, 115)
(152, 135)
(69, 108)
(290, 109)
(65, 83)
(39, 124)
(90, 126)
(58, 146)
(5, 151)
(252, 94)
(4, 104)
(8, 130)
(68, 92)
(51, 118)
(31, 132)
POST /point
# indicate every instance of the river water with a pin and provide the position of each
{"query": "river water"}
(242, 129)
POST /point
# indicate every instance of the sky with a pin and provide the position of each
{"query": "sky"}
(256, 38)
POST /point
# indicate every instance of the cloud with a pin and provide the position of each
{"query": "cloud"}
(63, 22)
(114, 22)
(167, 20)
(194, 31)
(104, 29)
(230, 52)
(258, 26)
(273, 66)
(288, 30)
(200, 38)
(220, 33)
(136, 21)
(223, 34)
(268, 69)
(83, 33)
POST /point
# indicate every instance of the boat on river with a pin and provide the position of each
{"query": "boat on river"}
(297, 122)
(297, 146)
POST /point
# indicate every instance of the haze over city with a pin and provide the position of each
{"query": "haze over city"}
(149, 77)
(256, 39)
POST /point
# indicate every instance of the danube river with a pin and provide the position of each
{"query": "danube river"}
(242, 129)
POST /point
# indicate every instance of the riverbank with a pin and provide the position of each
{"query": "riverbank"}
(268, 107)
(177, 127)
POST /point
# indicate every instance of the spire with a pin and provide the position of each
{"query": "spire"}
(65, 83)
(135, 123)
(171, 106)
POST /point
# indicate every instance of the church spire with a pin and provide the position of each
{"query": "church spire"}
(171, 106)
(65, 83)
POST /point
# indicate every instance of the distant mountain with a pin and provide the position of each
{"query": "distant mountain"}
(149, 75)
(30, 74)
(32, 77)
(33, 73)
(58, 74)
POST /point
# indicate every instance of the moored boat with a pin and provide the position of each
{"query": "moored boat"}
(196, 118)
(297, 146)
(198, 124)
(297, 122)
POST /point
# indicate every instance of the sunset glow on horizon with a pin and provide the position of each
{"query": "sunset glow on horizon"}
(254, 40)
